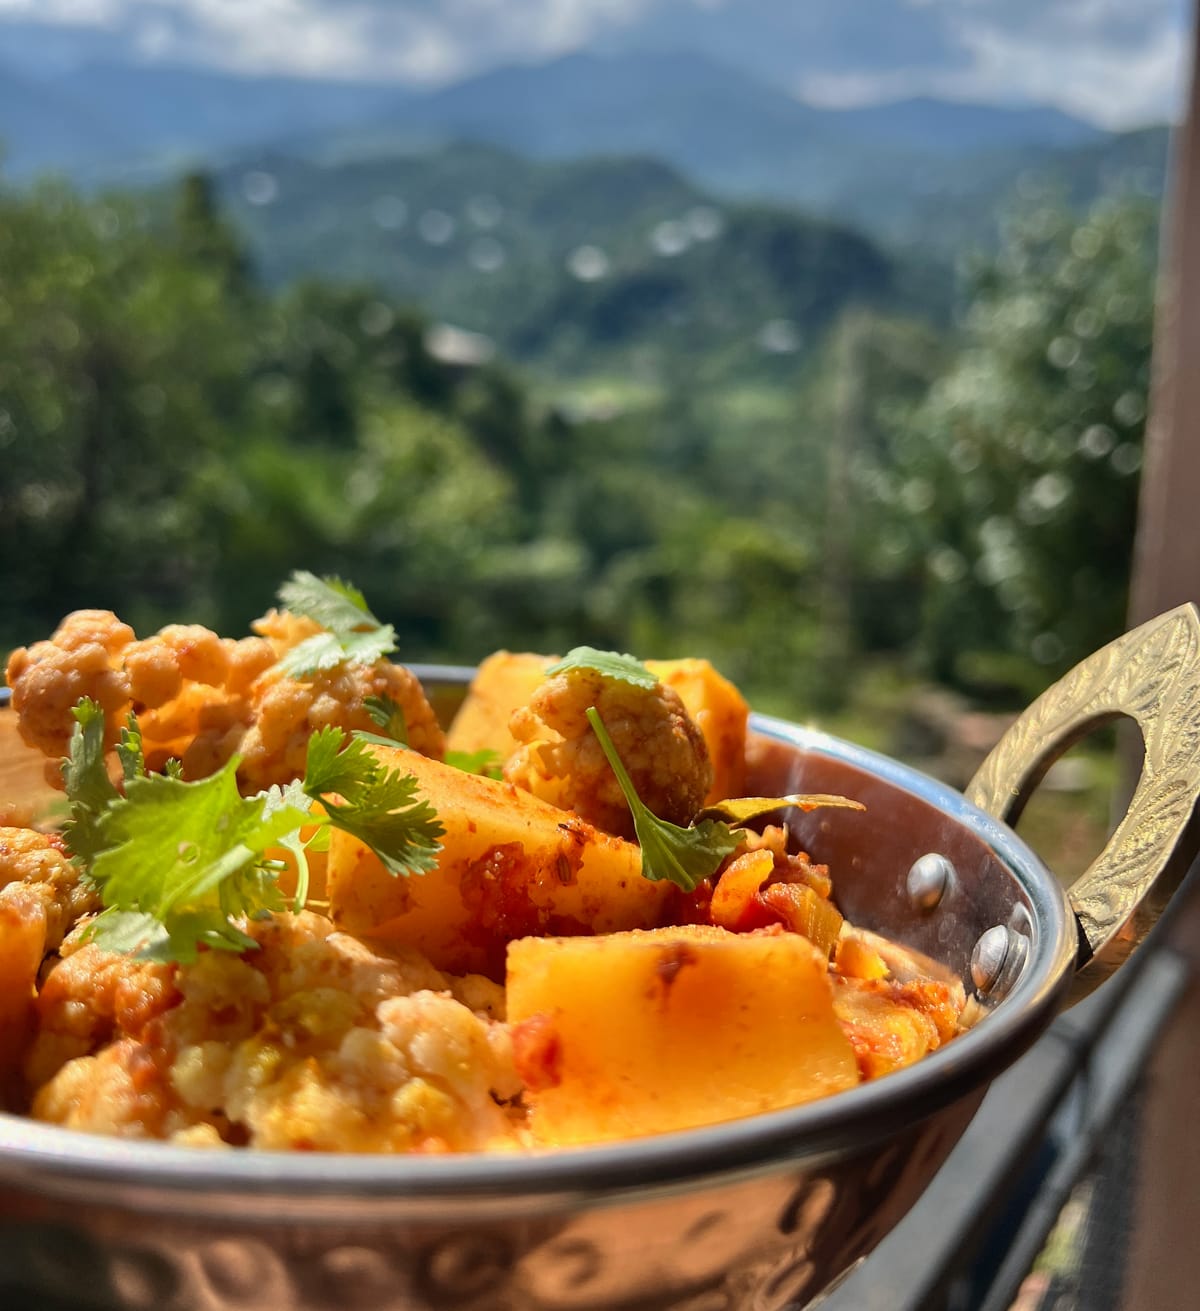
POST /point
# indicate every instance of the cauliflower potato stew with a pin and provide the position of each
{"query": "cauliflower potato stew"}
(279, 906)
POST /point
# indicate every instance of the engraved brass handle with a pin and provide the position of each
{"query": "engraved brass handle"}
(1152, 674)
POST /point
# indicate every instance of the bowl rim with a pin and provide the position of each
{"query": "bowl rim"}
(49, 1158)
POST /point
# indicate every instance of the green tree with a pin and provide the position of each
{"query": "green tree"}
(1010, 491)
(120, 361)
(204, 238)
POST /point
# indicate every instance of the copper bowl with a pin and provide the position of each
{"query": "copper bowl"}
(760, 1214)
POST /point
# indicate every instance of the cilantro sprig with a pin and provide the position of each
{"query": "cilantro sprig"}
(177, 863)
(185, 860)
(86, 782)
(683, 856)
(351, 631)
(379, 806)
(612, 664)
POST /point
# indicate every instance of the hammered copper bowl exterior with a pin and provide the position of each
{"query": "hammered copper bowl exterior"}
(754, 1215)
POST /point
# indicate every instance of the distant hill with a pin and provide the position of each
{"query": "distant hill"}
(712, 120)
(706, 116)
(950, 128)
(106, 119)
(945, 207)
(574, 265)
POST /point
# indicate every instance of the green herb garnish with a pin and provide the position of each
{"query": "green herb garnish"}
(351, 631)
(485, 762)
(379, 805)
(185, 860)
(86, 782)
(389, 716)
(129, 750)
(177, 863)
(612, 664)
(682, 856)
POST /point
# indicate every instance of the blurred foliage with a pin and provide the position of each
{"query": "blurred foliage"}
(570, 266)
(1006, 497)
(176, 435)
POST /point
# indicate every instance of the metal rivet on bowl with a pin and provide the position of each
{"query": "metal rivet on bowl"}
(928, 880)
(997, 960)
(987, 960)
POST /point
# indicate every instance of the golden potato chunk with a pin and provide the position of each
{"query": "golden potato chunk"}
(646, 1032)
(510, 866)
(502, 683)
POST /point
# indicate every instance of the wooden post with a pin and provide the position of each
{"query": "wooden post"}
(1163, 1270)
(1166, 560)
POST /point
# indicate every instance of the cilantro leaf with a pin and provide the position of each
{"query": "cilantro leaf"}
(129, 932)
(191, 857)
(129, 750)
(389, 716)
(328, 601)
(401, 829)
(293, 795)
(337, 765)
(88, 786)
(379, 806)
(682, 856)
(612, 664)
(352, 633)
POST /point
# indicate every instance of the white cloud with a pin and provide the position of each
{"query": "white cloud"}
(1117, 61)
(419, 40)
(1117, 64)
(1115, 85)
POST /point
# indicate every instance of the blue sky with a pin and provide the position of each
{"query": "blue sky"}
(1119, 62)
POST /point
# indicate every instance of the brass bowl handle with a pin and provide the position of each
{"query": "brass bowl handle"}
(1152, 675)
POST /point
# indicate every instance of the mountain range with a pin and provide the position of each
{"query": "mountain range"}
(717, 123)
(103, 121)
(723, 128)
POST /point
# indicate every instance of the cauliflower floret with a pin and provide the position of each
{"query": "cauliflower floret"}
(35, 863)
(83, 658)
(315, 1041)
(41, 896)
(193, 694)
(290, 710)
(90, 997)
(158, 666)
(562, 762)
(187, 686)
